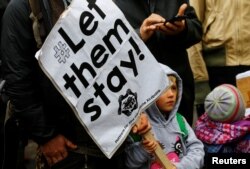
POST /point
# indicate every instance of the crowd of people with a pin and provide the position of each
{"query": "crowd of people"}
(196, 42)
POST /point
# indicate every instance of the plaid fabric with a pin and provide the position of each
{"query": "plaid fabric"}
(216, 133)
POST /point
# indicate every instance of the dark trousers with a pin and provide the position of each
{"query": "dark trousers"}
(15, 141)
(2, 116)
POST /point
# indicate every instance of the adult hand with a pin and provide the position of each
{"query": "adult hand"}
(177, 26)
(150, 25)
(56, 149)
(142, 125)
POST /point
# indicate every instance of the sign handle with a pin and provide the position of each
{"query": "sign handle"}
(159, 154)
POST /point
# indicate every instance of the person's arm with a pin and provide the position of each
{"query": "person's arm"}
(20, 68)
(193, 31)
(199, 7)
(183, 33)
(24, 83)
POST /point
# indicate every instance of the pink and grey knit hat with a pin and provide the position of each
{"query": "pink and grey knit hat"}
(225, 104)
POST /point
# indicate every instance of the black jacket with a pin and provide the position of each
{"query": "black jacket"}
(170, 50)
(39, 106)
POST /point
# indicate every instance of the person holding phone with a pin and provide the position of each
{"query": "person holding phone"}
(167, 40)
(224, 50)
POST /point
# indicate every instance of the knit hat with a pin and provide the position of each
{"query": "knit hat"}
(225, 104)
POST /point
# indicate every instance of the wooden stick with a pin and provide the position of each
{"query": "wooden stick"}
(159, 153)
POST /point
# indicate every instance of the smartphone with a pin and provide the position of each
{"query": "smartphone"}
(176, 18)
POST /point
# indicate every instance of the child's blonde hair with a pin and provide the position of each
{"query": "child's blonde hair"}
(173, 79)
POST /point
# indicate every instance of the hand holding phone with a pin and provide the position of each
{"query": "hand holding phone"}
(176, 18)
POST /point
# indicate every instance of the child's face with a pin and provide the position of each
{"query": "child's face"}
(167, 100)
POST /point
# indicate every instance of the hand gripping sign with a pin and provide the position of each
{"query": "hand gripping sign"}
(103, 70)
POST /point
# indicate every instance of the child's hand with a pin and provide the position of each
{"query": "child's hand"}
(142, 125)
(149, 145)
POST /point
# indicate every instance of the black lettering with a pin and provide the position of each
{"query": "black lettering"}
(94, 108)
(70, 84)
(75, 48)
(122, 81)
(79, 72)
(86, 19)
(114, 32)
(99, 92)
(134, 45)
(92, 5)
(130, 64)
(137, 49)
(96, 54)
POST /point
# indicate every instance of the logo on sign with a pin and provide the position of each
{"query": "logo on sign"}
(127, 103)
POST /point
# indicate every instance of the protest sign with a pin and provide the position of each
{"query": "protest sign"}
(102, 69)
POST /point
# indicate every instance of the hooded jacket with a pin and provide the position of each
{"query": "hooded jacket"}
(185, 153)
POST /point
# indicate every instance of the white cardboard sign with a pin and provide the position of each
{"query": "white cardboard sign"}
(103, 70)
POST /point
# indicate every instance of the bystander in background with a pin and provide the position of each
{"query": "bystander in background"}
(225, 43)
(224, 128)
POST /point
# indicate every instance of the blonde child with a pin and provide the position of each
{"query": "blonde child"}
(171, 131)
